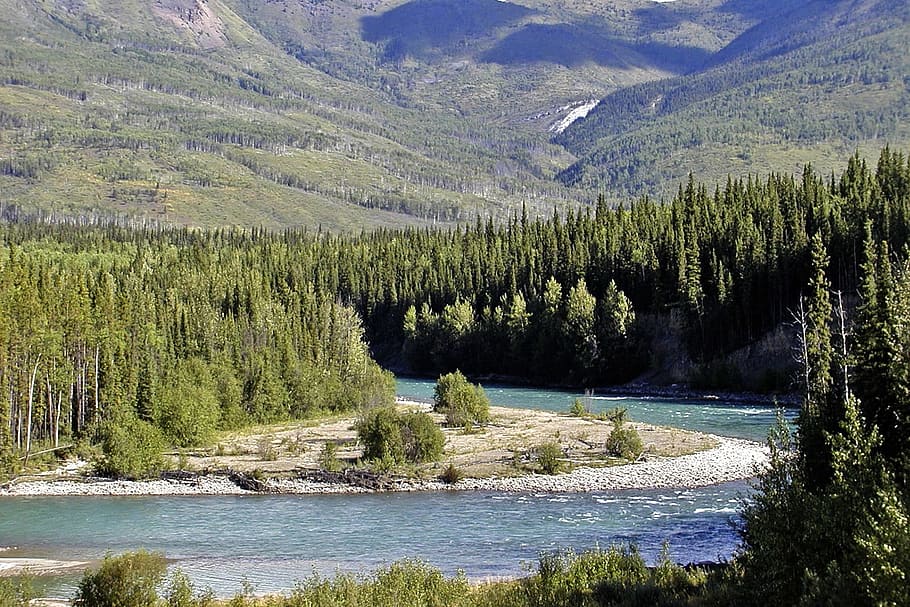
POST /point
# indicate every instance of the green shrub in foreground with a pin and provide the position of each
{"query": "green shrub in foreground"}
(16, 593)
(128, 580)
(406, 583)
(616, 577)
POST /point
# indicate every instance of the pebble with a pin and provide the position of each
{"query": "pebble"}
(733, 459)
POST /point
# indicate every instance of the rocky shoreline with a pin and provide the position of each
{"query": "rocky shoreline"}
(732, 459)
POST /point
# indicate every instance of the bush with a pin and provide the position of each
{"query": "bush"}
(462, 402)
(266, 449)
(624, 441)
(328, 457)
(451, 475)
(422, 439)
(378, 429)
(9, 462)
(578, 409)
(182, 593)
(406, 583)
(128, 580)
(618, 577)
(549, 458)
(16, 593)
(188, 411)
(391, 437)
(616, 414)
(131, 448)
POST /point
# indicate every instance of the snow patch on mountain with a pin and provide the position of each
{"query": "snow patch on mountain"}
(577, 113)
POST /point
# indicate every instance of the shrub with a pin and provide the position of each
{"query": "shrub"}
(131, 448)
(16, 593)
(391, 437)
(188, 411)
(128, 580)
(9, 462)
(549, 458)
(451, 475)
(379, 431)
(624, 441)
(328, 457)
(411, 583)
(422, 439)
(266, 449)
(182, 593)
(578, 409)
(461, 401)
(616, 414)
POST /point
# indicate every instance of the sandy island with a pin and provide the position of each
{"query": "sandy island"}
(498, 457)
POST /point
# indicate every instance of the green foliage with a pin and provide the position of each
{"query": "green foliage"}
(829, 524)
(578, 408)
(10, 463)
(549, 458)
(328, 457)
(624, 441)
(187, 408)
(614, 577)
(379, 430)
(460, 401)
(409, 583)
(617, 415)
(131, 448)
(423, 440)
(128, 580)
(181, 592)
(16, 593)
(393, 437)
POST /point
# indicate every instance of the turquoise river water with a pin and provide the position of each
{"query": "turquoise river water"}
(272, 541)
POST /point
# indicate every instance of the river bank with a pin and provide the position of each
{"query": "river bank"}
(731, 459)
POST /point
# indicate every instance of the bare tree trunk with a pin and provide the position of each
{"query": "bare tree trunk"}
(12, 412)
(97, 411)
(50, 406)
(57, 417)
(842, 330)
(31, 400)
(802, 354)
(83, 383)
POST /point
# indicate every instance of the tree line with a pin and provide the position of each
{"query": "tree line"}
(116, 336)
(103, 320)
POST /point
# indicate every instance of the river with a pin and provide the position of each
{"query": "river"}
(271, 541)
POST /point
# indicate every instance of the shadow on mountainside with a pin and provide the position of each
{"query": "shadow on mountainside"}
(422, 28)
(571, 45)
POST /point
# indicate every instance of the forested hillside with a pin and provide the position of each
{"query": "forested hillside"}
(289, 113)
(811, 82)
(229, 327)
(347, 114)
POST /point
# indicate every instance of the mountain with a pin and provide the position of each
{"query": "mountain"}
(810, 82)
(358, 113)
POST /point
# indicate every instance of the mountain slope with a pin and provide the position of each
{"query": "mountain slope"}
(811, 82)
(359, 113)
(339, 113)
